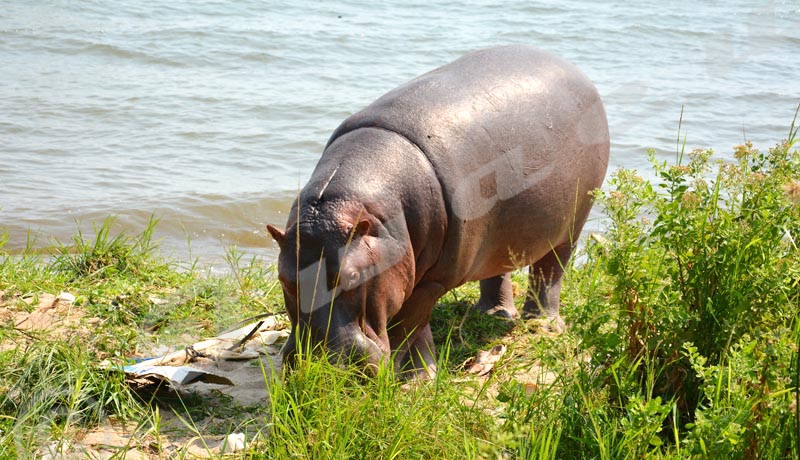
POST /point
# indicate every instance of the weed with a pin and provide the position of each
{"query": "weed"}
(106, 256)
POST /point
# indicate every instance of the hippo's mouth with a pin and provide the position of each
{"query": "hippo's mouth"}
(370, 335)
(350, 345)
(359, 346)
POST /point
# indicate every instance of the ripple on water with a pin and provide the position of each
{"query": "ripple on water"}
(212, 114)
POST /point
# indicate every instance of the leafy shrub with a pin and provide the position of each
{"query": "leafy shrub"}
(703, 268)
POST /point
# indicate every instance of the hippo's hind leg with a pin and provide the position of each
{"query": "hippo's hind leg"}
(497, 297)
(544, 289)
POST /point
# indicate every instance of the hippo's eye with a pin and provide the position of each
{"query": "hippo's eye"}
(350, 280)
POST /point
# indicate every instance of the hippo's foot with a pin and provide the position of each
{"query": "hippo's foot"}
(416, 360)
(550, 322)
(497, 297)
(499, 311)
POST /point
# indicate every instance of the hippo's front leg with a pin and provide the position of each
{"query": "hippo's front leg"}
(410, 333)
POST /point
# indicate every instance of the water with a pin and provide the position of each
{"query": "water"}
(212, 114)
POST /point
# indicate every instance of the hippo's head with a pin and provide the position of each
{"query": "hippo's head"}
(344, 276)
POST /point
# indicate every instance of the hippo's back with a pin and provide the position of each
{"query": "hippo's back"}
(517, 138)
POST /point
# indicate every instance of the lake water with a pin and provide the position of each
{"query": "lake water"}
(212, 114)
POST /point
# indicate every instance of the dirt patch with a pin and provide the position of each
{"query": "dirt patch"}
(114, 441)
(249, 380)
(56, 316)
(535, 378)
(44, 316)
(6, 313)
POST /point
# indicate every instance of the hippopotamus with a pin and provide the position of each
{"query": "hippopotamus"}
(479, 167)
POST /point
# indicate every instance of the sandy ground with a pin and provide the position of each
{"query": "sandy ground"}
(244, 369)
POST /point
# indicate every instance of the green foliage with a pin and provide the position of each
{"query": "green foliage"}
(106, 256)
(696, 344)
(19, 271)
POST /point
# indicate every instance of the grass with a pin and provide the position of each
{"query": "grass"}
(321, 411)
(684, 342)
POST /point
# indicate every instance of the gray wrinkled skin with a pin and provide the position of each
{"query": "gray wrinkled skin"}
(469, 171)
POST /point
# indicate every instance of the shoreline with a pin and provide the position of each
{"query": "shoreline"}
(645, 366)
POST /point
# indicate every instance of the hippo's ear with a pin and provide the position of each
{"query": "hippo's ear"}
(277, 234)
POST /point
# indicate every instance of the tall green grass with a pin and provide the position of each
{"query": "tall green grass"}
(320, 410)
(50, 389)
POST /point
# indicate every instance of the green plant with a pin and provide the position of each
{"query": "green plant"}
(321, 410)
(705, 270)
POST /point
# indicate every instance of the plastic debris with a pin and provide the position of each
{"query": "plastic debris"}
(66, 297)
(201, 361)
(181, 375)
(234, 442)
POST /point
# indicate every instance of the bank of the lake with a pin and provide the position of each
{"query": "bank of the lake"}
(683, 342)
